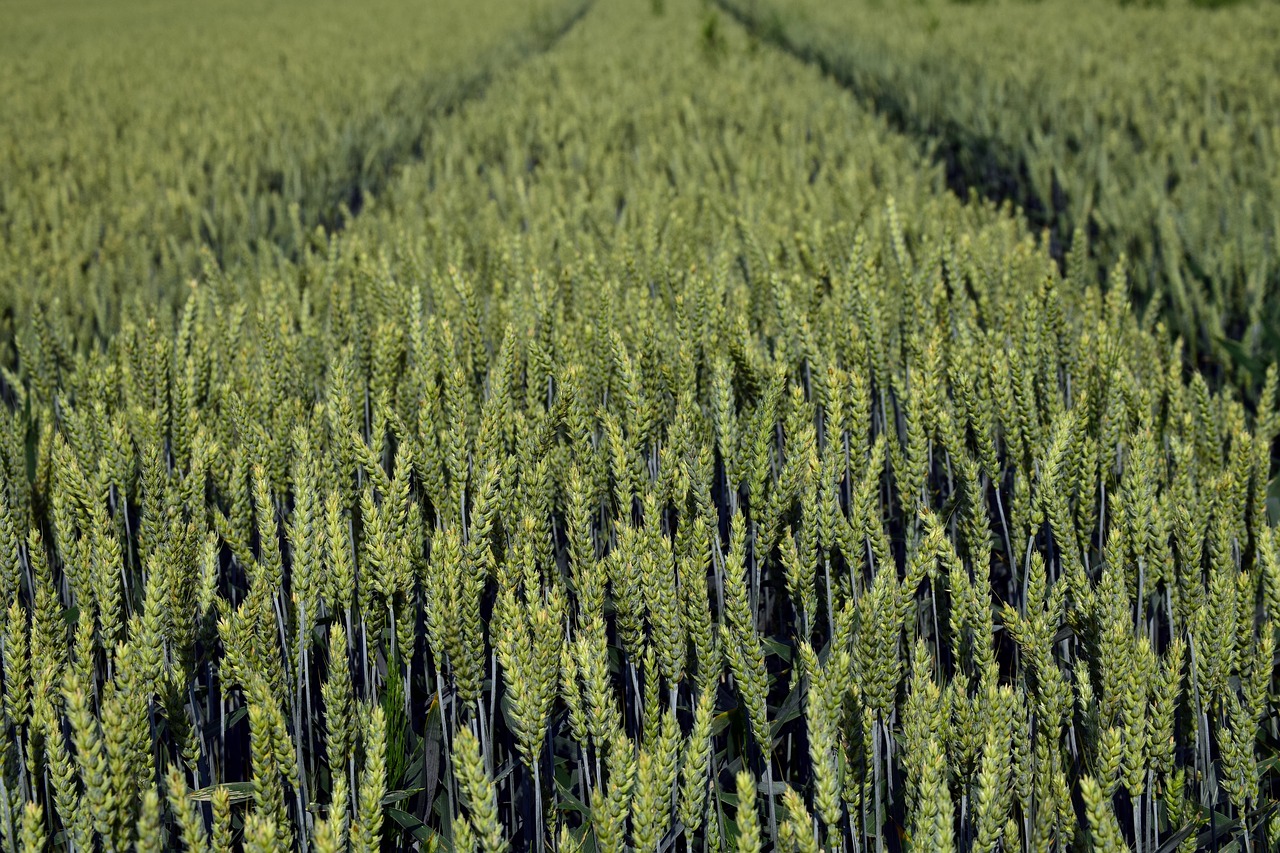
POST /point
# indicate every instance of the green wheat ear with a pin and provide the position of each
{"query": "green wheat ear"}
(694, 778)
(797, 833)
(34, 837)
(477, 792)
(366, 829)
(749, 839)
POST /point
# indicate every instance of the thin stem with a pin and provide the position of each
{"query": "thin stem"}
(875, 784)
(773, 811)
(537, 804)
(444, 731)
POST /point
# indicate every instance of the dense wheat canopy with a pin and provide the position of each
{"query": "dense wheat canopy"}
(1148, 130)
(138, 133)
(661, 457)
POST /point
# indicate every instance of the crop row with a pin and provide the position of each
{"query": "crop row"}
(134, 140)
(1147, 133)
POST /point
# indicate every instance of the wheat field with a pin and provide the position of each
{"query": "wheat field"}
(599, 425)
